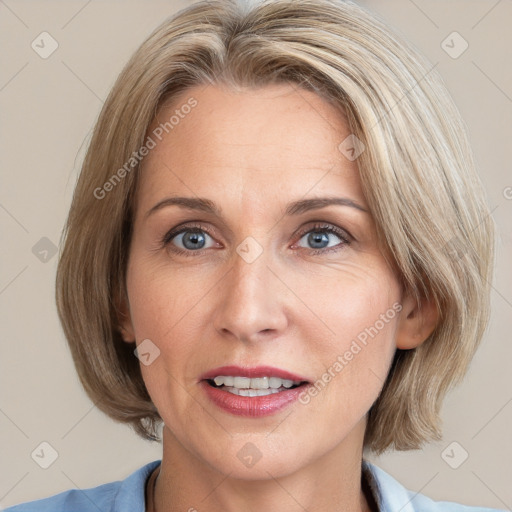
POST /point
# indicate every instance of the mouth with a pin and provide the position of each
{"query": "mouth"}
(252, 392)
(259, 386)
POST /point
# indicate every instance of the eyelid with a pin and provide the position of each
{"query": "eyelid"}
(185, 226)
(313, 225)
(320, 225)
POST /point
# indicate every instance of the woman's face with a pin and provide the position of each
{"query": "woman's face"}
(252, 281)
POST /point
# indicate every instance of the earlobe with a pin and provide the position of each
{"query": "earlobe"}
(124, 325)
(418, 319)
(126, 334)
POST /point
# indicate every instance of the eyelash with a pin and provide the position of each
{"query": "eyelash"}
(345, 237)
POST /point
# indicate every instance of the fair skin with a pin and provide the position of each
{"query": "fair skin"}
(252, 152)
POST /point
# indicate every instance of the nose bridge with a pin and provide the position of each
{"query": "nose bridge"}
(251, 300)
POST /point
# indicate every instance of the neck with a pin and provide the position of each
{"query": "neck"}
(329, 484)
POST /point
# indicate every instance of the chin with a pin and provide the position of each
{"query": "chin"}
(257, 456)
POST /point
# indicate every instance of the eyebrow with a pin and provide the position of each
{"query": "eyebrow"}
(295, 208)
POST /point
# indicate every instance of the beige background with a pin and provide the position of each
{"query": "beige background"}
(48, 107)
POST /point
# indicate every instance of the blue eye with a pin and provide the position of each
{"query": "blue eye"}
(320, 238)
(191, 240)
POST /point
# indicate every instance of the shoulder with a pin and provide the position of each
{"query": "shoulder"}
(124, 495)
(85, 500)
(392, 496)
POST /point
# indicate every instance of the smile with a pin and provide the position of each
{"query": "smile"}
(252, 392)
(260, 386)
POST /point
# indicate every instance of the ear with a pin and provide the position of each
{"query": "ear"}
(125, 326)
(418, 319)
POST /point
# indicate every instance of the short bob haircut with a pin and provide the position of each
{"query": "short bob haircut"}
(417, 173)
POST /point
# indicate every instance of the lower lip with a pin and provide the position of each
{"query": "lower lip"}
(252, 406)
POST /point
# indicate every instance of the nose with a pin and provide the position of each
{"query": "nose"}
(252, 301)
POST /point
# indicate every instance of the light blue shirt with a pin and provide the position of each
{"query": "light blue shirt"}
(128, 496)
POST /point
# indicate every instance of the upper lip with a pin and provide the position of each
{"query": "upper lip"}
(252, 372)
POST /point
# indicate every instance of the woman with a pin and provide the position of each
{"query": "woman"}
(279, 251)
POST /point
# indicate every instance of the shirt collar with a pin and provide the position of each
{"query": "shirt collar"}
(390, 495)
(132, 491)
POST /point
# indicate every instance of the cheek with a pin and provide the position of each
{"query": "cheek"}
(349, 299)
(352, 372)
(359, 309)
(160, 298)
(155, 310)
(161, 310)
(169, 308)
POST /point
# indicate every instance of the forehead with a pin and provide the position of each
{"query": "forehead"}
(248, 143)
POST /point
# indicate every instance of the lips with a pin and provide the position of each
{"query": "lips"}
(252, 372)
(256, 391)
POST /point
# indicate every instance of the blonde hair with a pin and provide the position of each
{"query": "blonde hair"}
(417, 173)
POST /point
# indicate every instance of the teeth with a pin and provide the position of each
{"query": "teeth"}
(251, 392)
(259, 383)
(242, 383)
(226, 381)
